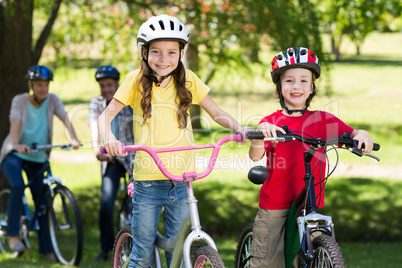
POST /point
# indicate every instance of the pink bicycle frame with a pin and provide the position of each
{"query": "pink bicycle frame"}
(187, 176)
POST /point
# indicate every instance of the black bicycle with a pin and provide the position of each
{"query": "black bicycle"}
(310, 236)
(63, 215)
(124, 202)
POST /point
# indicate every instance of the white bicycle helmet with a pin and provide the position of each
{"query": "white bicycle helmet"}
(162, 27)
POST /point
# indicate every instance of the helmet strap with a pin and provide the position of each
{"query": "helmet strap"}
(151, 74)
(37, 100)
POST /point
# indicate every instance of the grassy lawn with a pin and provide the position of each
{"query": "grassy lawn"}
(363, 209)
(364, 91)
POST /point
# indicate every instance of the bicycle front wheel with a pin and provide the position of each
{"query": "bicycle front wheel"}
(207, 256)
(4, 195)
(327, 253)
(125, 211)
(243, 250)
(65, 227)
(122, 247)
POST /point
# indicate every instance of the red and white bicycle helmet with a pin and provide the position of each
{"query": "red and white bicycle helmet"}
(162, 27)
(301, 58)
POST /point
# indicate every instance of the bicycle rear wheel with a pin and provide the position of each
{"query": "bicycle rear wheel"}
(326, 253)
(243, 250)
(207, 256)
(122, 247)
(4, 195)
(65, 227)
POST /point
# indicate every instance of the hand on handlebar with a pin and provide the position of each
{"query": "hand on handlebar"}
(270, 130)
(364, 138)
(114, 148)
(105, 157)
(243, 131)
(75, 144)
(21, 149)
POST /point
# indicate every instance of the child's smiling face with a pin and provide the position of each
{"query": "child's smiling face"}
(163, 57)
(296, 85)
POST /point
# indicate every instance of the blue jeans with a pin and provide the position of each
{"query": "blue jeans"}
(150, 197)
(12, 167)
(110, 185)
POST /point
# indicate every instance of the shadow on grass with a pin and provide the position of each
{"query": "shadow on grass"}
(362, 209)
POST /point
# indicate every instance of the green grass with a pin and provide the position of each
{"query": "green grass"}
(364, 92)
(365, 210)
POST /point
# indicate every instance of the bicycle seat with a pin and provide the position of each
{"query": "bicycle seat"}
(258, 174)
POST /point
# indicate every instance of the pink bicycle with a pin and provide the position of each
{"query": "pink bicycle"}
(206, 253)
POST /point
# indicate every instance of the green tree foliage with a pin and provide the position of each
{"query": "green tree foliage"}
(356, 19)
(222, 32)
(96, 30)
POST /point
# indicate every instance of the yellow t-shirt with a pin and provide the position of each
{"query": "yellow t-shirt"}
(162, 129)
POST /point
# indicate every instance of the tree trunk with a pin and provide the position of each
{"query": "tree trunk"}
(357, 48)
(335, 46)
(191, 61)
(15, 55)
(16, 52)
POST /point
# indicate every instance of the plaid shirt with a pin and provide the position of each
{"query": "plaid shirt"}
(124, 133)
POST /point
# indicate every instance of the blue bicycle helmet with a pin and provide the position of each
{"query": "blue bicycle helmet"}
(107, 72)
(38, 72)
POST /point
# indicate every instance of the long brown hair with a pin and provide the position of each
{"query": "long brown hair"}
(183, 95)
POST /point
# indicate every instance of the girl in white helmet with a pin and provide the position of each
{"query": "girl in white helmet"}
(294, 72)
(160, 93)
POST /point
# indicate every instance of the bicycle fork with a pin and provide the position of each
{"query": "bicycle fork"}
(309, 224)
(182, 249)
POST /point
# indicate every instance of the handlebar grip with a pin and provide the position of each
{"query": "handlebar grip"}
(257, 135)
(254, 135)
(376, 147)
(103, 150)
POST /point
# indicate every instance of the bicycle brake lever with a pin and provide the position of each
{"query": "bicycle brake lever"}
(372, 156)
(282, 138)
(358, 152)
(274, 139)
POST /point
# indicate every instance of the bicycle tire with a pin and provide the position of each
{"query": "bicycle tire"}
(125, 212)
(207, 256)
(65, 227)
(327, 253)
(122, 248)
(243, 249)
(4, 195)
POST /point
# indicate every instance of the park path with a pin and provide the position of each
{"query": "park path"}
(344, 169)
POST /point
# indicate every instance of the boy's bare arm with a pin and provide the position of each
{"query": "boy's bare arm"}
(257, 150)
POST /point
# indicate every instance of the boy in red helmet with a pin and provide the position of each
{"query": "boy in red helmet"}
(294, 73)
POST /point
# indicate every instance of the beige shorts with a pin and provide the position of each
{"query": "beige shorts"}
(268, 247)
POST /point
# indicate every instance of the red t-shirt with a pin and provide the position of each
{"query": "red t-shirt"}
(285, 162)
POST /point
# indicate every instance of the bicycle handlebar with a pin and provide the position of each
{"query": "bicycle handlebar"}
(35, 147)
(345, 139)
(187, 175)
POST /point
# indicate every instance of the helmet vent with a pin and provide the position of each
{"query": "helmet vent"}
(162, 25)
(152, 27)
(172, 25)
(181, 28)
(303, 52)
